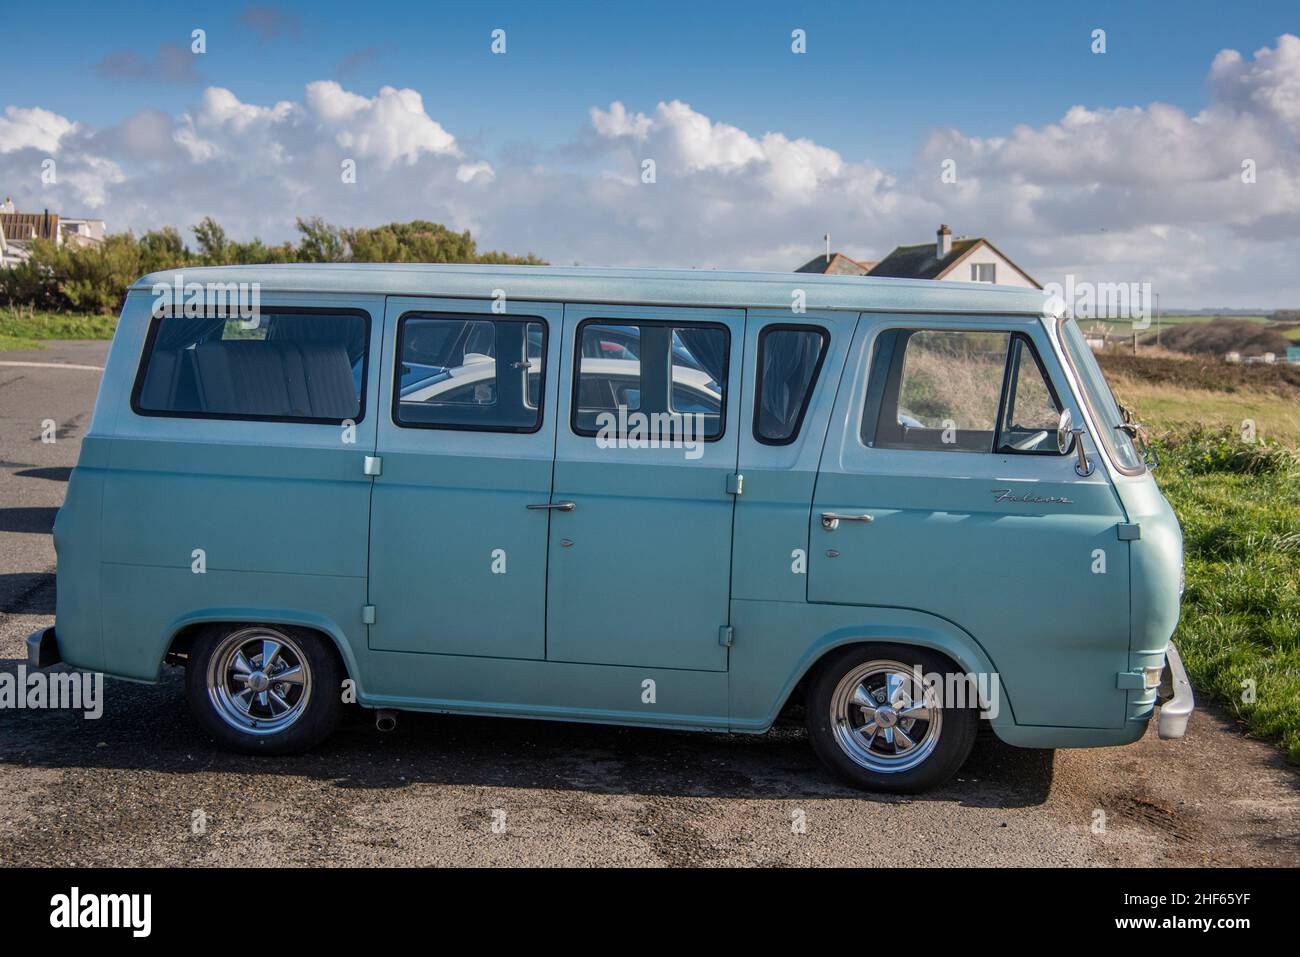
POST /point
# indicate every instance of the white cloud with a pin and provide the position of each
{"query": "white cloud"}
(32, 128)
(1123, 193)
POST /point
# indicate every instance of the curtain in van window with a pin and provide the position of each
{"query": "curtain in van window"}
(709, 347)
(789, 362)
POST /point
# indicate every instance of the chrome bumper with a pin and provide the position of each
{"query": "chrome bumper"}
(1175, 712)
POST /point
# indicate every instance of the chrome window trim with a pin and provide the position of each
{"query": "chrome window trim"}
(1106, 442)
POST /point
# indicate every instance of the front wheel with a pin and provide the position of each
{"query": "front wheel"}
(264, 689)
(871, 721)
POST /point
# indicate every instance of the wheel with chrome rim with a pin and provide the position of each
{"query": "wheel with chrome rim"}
(880, 718)
(871, 720)
(264, 688)
(259, 681)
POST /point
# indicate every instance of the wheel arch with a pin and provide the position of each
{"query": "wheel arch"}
(888, 626)
(182, 630)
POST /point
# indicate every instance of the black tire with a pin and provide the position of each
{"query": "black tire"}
(314, 720)
(955, 727)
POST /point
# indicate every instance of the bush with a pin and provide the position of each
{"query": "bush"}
(95, 278)
(1225, 335)
(1203, 451)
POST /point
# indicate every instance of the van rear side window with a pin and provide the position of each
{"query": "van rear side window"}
(476, 373)
(789, 360)
(291, 366)
(676, 376)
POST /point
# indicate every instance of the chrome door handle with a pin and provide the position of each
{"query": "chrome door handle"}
(831, 520)
(556, 506)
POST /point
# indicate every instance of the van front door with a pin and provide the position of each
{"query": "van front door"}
(466, 442)
(941, 489)
(640, 550)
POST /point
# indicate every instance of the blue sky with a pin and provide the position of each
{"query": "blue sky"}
(877, 75)
(876, 83)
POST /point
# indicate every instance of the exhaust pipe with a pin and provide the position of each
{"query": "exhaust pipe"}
(385, 720)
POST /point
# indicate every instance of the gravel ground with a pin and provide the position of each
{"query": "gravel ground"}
(140, 785)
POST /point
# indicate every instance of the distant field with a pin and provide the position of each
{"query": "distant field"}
(1176, 394)
(1121, 325)
(1179, 320)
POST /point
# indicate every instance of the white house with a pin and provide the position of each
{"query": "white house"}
(17, 230)
(965, 259)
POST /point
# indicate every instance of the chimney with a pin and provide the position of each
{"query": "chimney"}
(943, 245)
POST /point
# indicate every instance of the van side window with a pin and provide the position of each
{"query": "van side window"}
(789, 361)
(478, 373)
(957, 391)
(675, 377)
(299, 366)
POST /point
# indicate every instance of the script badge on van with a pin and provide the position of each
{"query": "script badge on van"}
(1006, 495)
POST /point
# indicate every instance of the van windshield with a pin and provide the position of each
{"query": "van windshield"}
(1100, 399)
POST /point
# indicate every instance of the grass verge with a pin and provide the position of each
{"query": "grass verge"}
(1239, 505)
(19, 325)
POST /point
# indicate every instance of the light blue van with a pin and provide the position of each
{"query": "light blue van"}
(675, 499)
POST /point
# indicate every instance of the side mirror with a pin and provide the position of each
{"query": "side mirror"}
(1065, 433)
(1069, 436)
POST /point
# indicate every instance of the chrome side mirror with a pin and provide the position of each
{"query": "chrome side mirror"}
(1065, 433)
(1068, 437)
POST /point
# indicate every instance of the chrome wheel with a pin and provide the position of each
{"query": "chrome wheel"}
(880, 717)
(259, 681)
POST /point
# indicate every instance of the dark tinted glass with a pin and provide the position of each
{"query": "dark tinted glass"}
(287, 366)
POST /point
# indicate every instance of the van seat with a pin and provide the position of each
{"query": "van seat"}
(331, 390)
(281, 378)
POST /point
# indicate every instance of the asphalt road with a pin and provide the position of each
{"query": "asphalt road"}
(140, 785)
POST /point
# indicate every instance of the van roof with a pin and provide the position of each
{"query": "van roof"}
(668, 287)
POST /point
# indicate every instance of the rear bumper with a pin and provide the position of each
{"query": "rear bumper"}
(43, 648)
(1175, 712)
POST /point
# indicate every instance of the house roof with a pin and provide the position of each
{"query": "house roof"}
(838, 265)
(552, 284)
(28, 225)
(921, 262)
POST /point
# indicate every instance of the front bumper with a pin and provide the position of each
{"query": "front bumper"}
(43, 648)
(1174, 712)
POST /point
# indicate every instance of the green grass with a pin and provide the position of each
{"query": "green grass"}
(26, 325)
(1239, 505)
(14, 344)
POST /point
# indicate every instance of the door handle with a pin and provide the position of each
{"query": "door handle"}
(831, 520)
(556, 506)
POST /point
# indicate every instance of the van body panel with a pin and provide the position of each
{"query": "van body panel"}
(550, 690)
(457, 559)
(143, 634)
(1010, 548)
(778, 643)
(630, 287)
(645, 575)
(228, 504)
(770, 539)
(77, 547)
(1156, 569)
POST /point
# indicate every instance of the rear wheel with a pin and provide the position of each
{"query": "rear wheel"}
(264, 689)
(871, 722)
